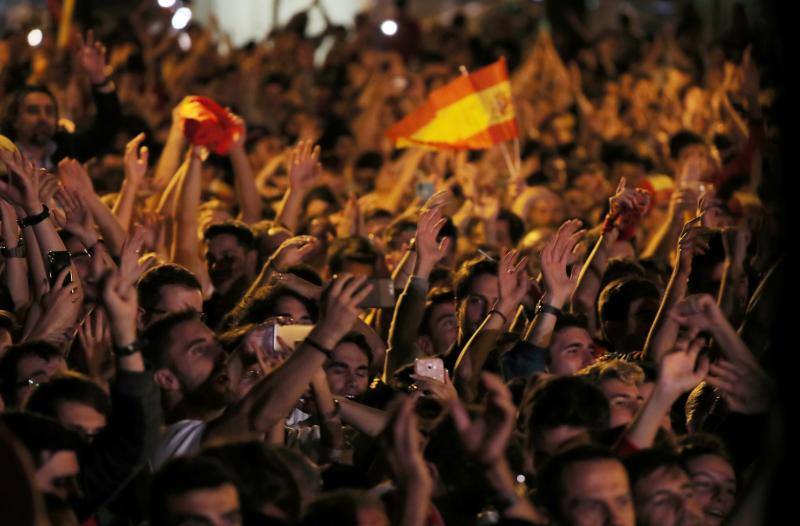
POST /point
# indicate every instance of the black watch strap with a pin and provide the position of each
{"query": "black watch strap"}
(34, 219)
(16, 252)
(128, 350)
(544, 308)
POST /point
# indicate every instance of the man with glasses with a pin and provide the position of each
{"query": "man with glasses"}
(25, 366)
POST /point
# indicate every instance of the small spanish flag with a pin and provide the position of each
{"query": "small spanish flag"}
(473, 111)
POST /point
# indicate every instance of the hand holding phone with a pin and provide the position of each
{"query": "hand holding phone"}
(430, 368)
(57, 261)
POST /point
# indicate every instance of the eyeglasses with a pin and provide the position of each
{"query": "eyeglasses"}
(32, 381)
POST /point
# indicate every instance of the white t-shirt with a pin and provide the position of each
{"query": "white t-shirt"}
(180, 438)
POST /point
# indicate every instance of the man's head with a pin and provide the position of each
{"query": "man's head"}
(571, 346)
(167, 288)
(194, 490)
(586, 485)
(560, 410)
(438, 329)
(685, 147)
(627, 308)
(348, 369)
(265, 483)
(189, 363)
(352, 507)
(26, 366)
(54, 452)
(477, 290)
(75, 401)
(713, 476)
(619, 380)
(32, 116)
(230, 253)
(271, 301)
(353, 255)
(662, 490)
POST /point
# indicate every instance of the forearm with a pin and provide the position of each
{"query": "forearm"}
(731, 344)
(35, 259)
(727, 300)
(364, 418)
(662, 243)
(475, 353)
(246, 193)
(641, 433)
(290, 209)
(410, 163)
(113, 233)
(123, 208)
(541, 328)
(186, 250)
(405, 326)
(170, 157)
(416, 502)
(584, 298)
(664, 330)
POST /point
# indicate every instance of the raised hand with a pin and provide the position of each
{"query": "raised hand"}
(90, 57)
(95, 339)
(74, 175)
(340, 307)
(22, 187)
(698, 311)
(60, 307)
(628, 199)
(513, 281)
(439, 199)
(485, 437)
(681, 370)
(430, 251)
(75, 217)
(746, 389)
(119, 292)
(304, 166)
(293, 251)
(130, 268)
(405, 448)
(693, 241)
(135, 160)
(443, 392)
(555, 258)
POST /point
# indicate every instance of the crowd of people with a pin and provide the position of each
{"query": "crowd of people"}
(318, 328)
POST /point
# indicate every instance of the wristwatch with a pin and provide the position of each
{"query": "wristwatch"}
(16, 252)
(127, 350)
(544, 308)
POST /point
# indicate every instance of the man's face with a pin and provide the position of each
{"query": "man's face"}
(58, 474)
(226, 260)
(624, 400)
(32, 371)
(208, 507)
(442, 326)
(198, 361)
(289, 307)
(714, 483)
(82, 418)
(641, 313)
(348, 371)
(173, 298)
(482, 296)
(665, 498)
(571, 350)
(36, 122)
(597, 492)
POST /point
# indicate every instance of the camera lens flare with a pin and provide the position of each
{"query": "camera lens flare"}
(389, 27)
(35, 37)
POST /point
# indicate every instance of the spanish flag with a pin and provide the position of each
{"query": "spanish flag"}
(473, 111)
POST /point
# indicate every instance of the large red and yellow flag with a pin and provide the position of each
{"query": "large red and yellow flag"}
(473, 111)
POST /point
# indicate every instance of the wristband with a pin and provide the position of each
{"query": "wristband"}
(544, 308)
(127, 350)
(495, 311)
(34, 219)
(327, 352)
(16, 252)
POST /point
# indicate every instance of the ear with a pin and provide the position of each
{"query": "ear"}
(140, 319)
(166, 380)
(425, 345)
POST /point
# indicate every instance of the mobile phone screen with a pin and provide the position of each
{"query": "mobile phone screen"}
(292, 335)
(56, 262)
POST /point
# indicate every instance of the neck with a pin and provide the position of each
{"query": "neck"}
(182, 410)
(37, 153)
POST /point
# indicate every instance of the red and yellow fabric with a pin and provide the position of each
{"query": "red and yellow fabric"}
(206, 123)
(659, 186)
(471, 112)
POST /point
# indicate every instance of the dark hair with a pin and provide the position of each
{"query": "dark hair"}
(151, 282)
(516, 228)
(15, 106)
(703, 266)
(551, 483)
(260, 306)
(642, 463)
(321, 193)
(697, 445)
(68, 388)
(182, 475)
(261, 476)
(244, 236)
(469, 271)
(565, 400)
(40, 433)
(369, 159)
(681, 140)
(397, 228)
(619, 268)
(436, 296)
(617, 296)
(339, 508)
(353, 248)
(360, 341)
(9, 362)
(158, 336)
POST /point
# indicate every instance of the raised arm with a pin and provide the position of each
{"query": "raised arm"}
(185, 243)
(135, 164)
(16, 267)
(243, 181)
(170, 158)
(273, 398)
(304, 170)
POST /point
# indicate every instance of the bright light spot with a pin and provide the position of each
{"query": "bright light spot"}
(181, 18)
(388, 27)
(184, 42)
(166, 3)
(35, 37)
(520, 478)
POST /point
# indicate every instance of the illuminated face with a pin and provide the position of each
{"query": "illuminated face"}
(665, 497)
(348, 370)
(226, 260)
(571, 350)
(217, 506)
(597, 493)
(483, 294)
(714, 483)
(624, 400)
(36, 122)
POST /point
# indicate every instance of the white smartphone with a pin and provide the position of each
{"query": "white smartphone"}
(291, 335)
(430, 368)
